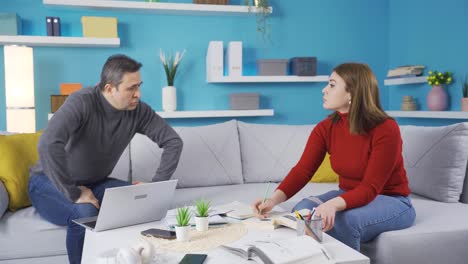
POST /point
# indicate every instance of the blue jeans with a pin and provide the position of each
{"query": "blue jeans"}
(362, 224)
(53, 206)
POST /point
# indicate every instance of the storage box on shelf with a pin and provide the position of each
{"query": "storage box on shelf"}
(10, 24)
(99, 27)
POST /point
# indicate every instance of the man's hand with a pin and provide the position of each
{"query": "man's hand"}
(87, 196)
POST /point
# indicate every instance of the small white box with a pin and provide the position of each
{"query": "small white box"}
(234, 58)
(215, 60)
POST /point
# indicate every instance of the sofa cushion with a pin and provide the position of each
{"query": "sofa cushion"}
(4, 200)
(210, 156)
(439, 235)
(24, 234)
(19, 153)
(436, 159)
(270, 151)
(325, 172)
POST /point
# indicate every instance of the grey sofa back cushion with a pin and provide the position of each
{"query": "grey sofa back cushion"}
(211, 156)
(122, 168)
(270, 151)
(436, 159)
(4, 200)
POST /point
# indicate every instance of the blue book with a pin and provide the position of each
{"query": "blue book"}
(49, 25)
(56, 26)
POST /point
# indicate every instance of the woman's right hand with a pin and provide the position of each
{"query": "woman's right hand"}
(261, 209)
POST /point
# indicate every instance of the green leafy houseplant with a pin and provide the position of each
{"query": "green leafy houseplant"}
(183, 216)
(439, 78)
(171, 64)
(263, 18)
(202, 207)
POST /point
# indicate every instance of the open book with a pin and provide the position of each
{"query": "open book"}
(235, 210)
(277, 220)
(299, 249)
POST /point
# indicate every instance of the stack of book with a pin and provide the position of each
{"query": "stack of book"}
(406, 71)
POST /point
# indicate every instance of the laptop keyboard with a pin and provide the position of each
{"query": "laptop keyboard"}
(91, 224)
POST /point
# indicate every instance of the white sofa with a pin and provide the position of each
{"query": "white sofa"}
(233, 160)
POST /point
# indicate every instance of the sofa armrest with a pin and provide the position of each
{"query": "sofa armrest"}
(4, 200)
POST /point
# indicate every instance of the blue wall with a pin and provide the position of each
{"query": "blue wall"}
(380, 33)
(432, 33)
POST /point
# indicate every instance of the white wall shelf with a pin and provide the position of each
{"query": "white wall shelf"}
(59, 41)
(409, 80)
(429, 114)
(268, 79)
(156, 7)
(211, 113)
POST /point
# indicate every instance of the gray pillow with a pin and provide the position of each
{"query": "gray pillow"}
(211, 156)
(436, 159)
(4, 200)
(270, 151)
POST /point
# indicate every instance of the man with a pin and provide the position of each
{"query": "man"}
(84, 140)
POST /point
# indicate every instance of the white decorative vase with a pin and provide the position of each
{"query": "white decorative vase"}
(169, 99)
(201, 223)
(182, 233)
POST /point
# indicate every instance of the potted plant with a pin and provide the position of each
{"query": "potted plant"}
(437, 99)
(263, 18)
(464, 100)
(201, 220)
(169, 92)
(183, 224)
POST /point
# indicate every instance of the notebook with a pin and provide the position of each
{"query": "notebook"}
(235, 210)
(298, 249)
(131, 205)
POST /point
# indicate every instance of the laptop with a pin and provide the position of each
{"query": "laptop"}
(131, 205)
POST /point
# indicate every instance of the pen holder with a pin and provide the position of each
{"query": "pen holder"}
(311, 228)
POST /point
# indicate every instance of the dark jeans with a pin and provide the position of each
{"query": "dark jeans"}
(53, 206)
(362, 224)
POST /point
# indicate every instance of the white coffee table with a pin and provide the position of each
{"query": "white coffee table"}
(97, 243)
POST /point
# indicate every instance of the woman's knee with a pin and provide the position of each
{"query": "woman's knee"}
(306, 203)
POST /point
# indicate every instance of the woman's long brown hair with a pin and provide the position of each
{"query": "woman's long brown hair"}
(365, 111)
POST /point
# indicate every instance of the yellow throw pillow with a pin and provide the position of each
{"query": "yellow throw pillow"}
(18, 154)
(325, 172)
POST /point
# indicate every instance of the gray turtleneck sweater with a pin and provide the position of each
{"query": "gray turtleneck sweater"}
(86, 137)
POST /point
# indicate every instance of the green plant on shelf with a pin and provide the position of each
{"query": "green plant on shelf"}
(183, 216)
(465, 87)
(202, 206)
(439, 78)
(263, 18)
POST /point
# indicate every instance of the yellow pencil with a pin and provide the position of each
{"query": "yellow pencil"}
(298, 215)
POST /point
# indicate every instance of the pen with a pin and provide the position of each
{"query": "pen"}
(298, 215)
(265, 195)
(312, 213)
(309, 215)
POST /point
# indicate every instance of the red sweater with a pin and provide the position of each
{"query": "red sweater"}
(367, 165)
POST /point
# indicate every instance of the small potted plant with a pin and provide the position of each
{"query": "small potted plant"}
(183, 224)
(263, 18)
(437, 99)
(169, 92)
(201, 220)
(464, 101)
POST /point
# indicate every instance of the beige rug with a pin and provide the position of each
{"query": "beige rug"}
(201, 241)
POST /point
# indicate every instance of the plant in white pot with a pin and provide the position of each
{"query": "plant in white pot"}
(169, 92)
(464, 100)
(183, 224)
(201, 220)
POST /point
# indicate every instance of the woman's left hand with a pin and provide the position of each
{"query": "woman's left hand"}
(327, 212)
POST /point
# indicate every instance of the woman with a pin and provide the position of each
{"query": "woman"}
(365, 150)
